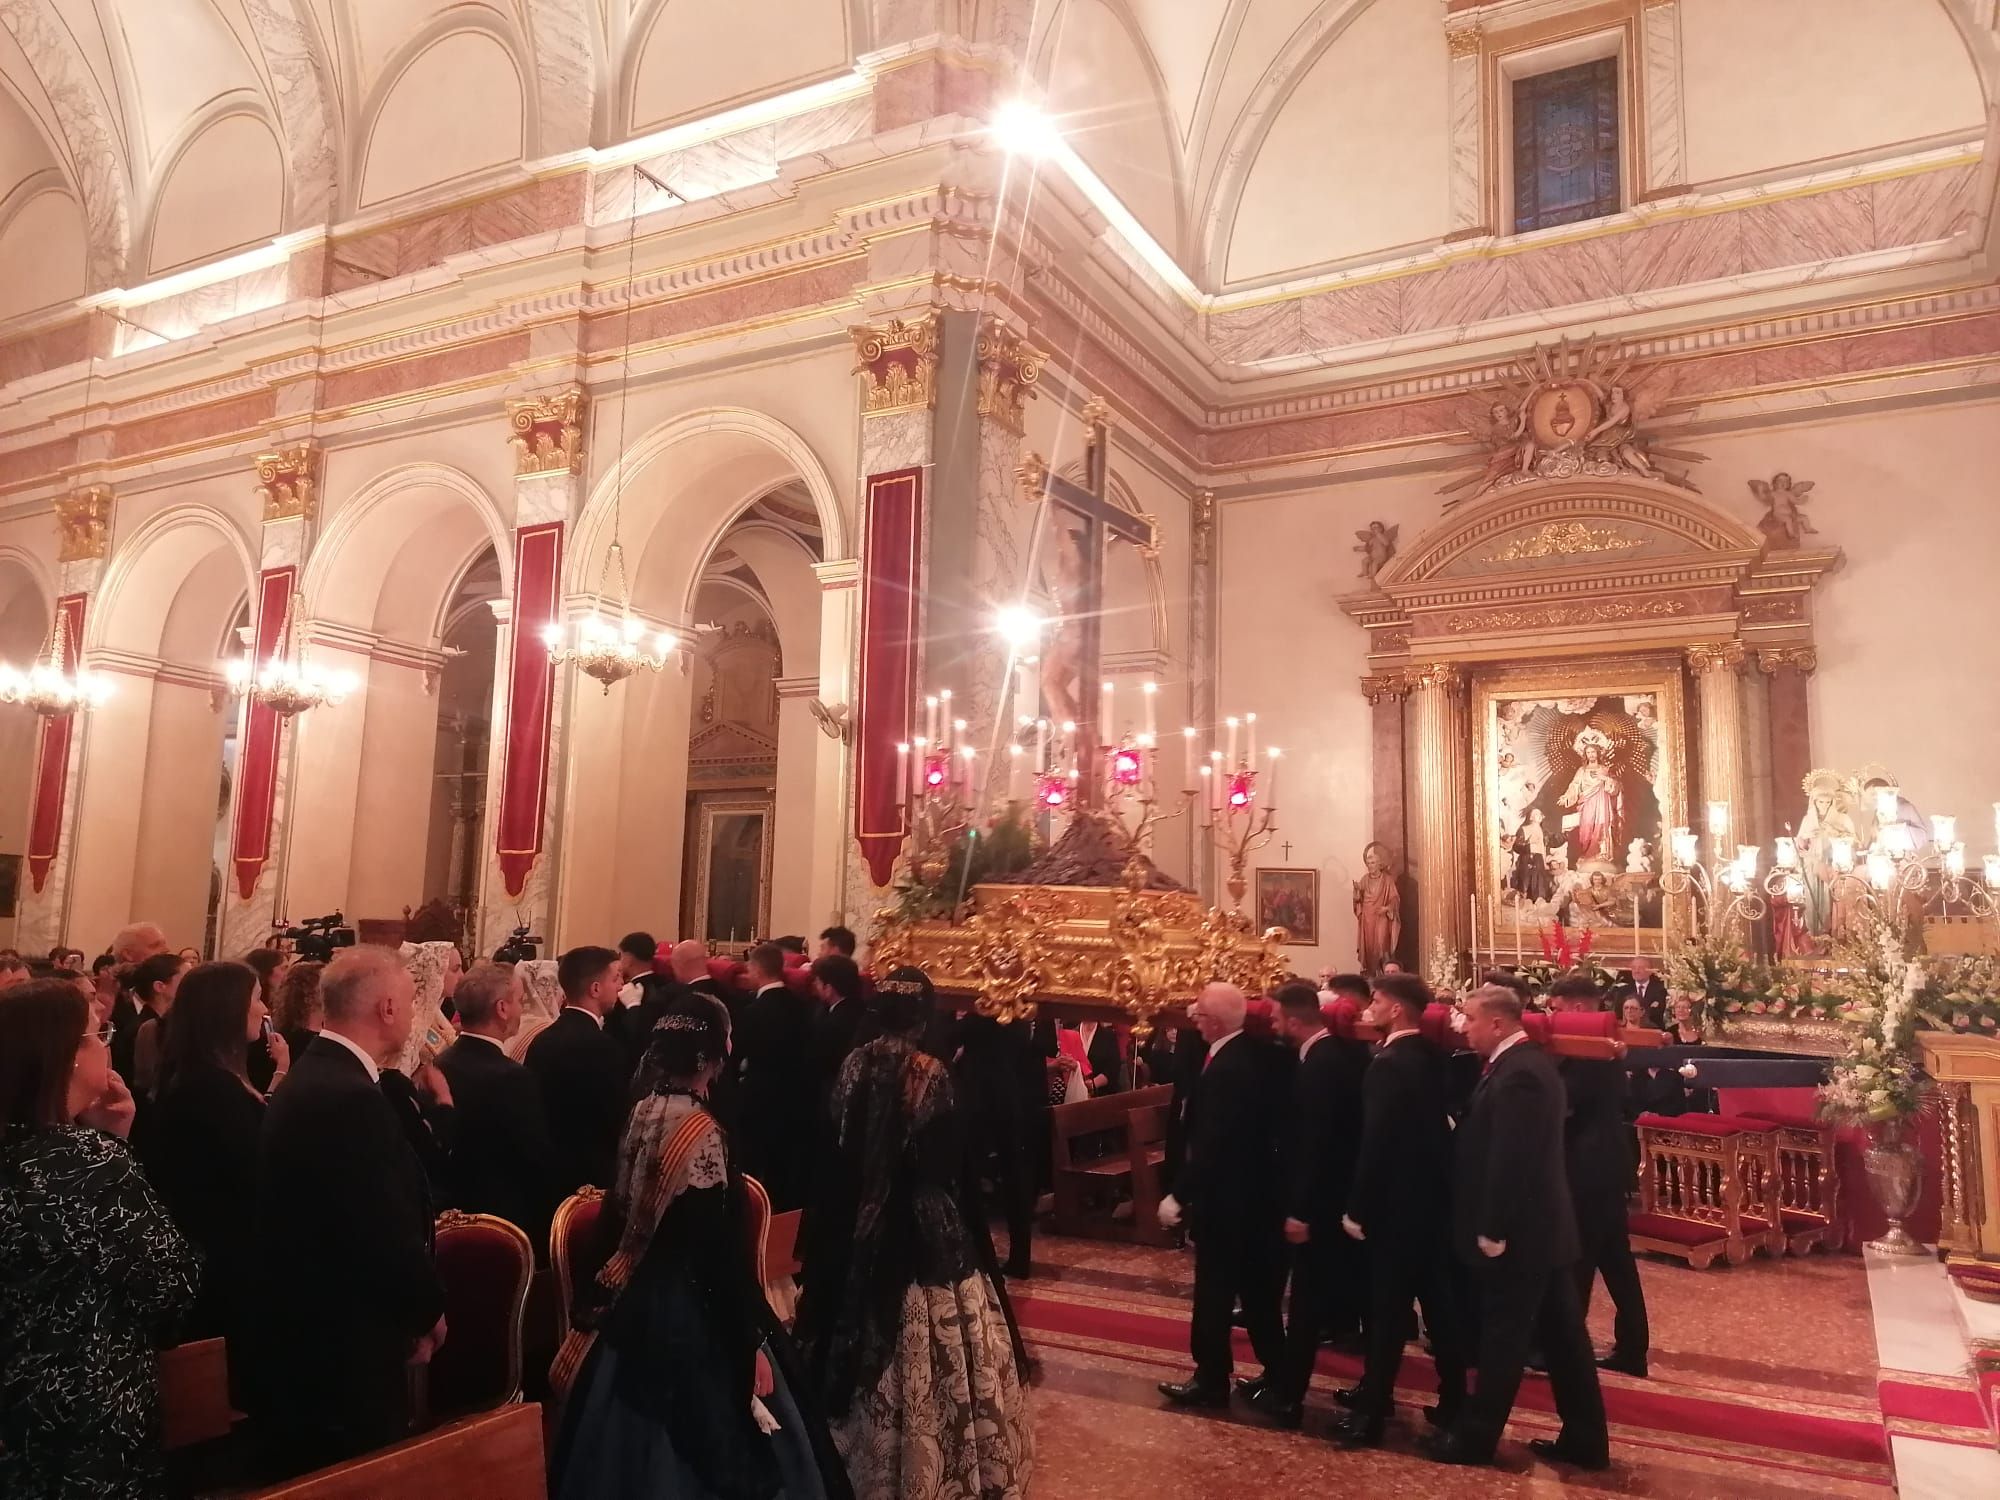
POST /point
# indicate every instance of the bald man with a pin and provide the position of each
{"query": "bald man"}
(139, 942)
(1227, 1193)
(344, 1232)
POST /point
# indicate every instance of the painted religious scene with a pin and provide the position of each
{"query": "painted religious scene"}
(1577, 788)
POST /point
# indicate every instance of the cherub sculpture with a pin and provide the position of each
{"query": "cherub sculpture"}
(1377, 544)
(1783, 521)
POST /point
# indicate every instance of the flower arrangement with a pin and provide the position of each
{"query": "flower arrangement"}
(1564, 954)
(1004, 846)
(1962, 995)
(1877, 1080)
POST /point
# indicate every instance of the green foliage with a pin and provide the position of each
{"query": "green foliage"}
(1004, 847)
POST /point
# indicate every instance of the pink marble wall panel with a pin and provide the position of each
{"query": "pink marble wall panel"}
(1767, 235)
(398, 249)
(45, 349)
(929, 87)
(1965, 337)
(725, 305)
(443, 367)
(175, 429)
(37, 465)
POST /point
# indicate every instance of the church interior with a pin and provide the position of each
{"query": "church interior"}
(1101, 498)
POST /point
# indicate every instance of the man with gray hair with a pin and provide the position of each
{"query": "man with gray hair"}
(1228, 1192)
(1513, 1225)
(503, 1162)
(344, 1233)
(139, 942)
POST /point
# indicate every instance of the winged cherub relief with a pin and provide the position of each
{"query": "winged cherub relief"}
(1783, 521)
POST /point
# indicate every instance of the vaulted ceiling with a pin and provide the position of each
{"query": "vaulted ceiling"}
(1251, 138)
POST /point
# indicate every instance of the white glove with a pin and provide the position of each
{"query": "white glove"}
(1492, 1249)
(1353, 1229)
(1170, 1212)
(629, 995)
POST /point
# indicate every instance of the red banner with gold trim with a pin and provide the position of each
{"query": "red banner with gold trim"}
(52, 756)
(257, 765)
(891, 619)
(524, 768)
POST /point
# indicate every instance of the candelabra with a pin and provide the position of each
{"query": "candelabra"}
(288, 684)
(48, 687)
(936, 773)
(1725, 889)
(1901, 881)
(1241, 803)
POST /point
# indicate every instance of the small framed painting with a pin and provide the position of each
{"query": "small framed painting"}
(1290, 899)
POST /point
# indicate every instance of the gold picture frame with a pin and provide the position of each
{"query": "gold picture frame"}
(1282, 897)
(1576, 694)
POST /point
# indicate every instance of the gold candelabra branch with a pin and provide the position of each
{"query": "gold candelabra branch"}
(1238, 834)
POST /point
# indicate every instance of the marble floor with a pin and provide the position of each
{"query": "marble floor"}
(1763, 1385)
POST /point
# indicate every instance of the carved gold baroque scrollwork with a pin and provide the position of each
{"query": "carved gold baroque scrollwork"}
(83, 525)
(1717, 656)
(1565, 539)
(1009, 366)
(1548, 616)
(1773, 659)
(547, 433)
(288, 483)
(1203, 527)
(1385, 687)
(898, 366)
(1445, 675)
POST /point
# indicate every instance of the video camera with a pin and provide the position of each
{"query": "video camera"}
(521, 947)
(317, 937)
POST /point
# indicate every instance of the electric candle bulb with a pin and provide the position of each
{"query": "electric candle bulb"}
(1993, 871)
(1888, 803)
(1881, 870)
(1786, 854)
(1840, 853)
(1944, 830)
(1686, 847)
(1718, 818)
(1954, 861)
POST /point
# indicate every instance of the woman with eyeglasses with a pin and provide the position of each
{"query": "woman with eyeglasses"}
(199, 1140)
(93, 1274)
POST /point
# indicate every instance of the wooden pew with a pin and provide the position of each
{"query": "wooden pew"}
(194, 1394)
(1089, 1187)
(496, 1455)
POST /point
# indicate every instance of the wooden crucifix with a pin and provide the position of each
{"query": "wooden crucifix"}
(1087, 522)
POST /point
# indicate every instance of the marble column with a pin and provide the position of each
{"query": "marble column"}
(83, 541)
(1437, 697)
(1786, 671)
(1466, 160)
(832, 895)
(1718, 683)
(1659, 73)
(1201, 664)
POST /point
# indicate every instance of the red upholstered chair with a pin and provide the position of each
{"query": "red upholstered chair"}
(1808, 1186)
(756, 1221)
(485, 1264)
(1704, 1188)
(573, 1246)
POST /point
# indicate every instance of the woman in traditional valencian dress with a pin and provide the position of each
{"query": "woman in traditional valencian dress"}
(676, 1382)
(1595, 795)
(905, 1335)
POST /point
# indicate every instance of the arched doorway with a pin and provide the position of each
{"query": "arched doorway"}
(742, 507)
(402, 573)
(25, 608)
(458, 765)
(165, 622)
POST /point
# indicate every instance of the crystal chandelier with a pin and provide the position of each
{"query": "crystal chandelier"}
(288, 684)
(611, 650)
(46, 686)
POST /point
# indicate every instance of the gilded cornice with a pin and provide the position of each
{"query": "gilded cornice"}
(83, 524)
(1715, 656)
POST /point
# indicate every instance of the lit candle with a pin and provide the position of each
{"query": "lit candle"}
(918, 769)
(1187, 758)
(1271, 787)
(1107, 721)
(1069, 745)
(957, 730)
(1152, 692)
(944, 712)
(965, 776)
(1230, 759)
(903, 766)
(1208, 797)
(1042, 747)
(1251, 721)
(930, 717)
(1016, 764)
(1996, 823)
(1020, 673)
(1944, 829)
(1214, 770)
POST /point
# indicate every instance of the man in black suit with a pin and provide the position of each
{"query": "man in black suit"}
(585, 1075)
(1643, 985)
(1227, 1190)
(777, 1097)
(837, 1027)
(1602, 1159)
(1317, 1152)
(504, 1163)
(837, 942)
(1513, 1224)
(642, 995)
(352, 1296)
(1399, 1211)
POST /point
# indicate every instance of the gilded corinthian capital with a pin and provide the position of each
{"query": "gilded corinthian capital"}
(1433, 676)
(1009, 366)
(1774, 659)
(83, 524)
(1718, 656)
(897, 364)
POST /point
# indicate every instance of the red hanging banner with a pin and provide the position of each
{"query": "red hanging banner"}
(257, 764)
(524, 768)
(891, 619)
(52, 756)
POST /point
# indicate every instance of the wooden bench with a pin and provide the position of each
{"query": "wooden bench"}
(496, 1455)
(1707, 1187)
(1107, 1153)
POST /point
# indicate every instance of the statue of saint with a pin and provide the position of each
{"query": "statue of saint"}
(1594, 798)
(1378, 909)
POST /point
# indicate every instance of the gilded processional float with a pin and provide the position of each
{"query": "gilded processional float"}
(1579, 678)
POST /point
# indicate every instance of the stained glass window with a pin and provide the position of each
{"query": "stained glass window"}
(1566, 145)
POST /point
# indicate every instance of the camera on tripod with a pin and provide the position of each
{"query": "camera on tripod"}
(316, 938)
(520, 947)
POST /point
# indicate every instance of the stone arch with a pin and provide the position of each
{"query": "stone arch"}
(158, 596)
(241, 104)
(27, 602)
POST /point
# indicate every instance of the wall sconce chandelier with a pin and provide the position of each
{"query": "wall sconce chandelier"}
(288, 684)
(611, 650)
(47, 687)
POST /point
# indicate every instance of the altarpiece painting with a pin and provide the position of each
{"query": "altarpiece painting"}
(1579, 776)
